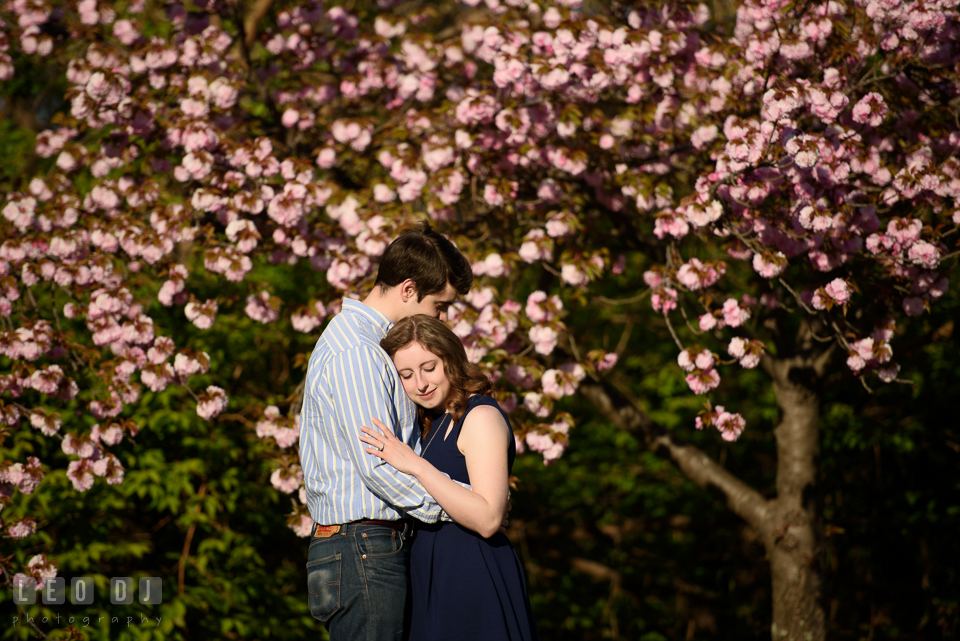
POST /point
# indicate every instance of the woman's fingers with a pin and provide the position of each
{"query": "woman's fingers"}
(384, 430)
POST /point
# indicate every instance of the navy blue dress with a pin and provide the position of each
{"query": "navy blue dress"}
(466, 587)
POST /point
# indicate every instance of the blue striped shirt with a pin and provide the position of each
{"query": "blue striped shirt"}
(350, 379)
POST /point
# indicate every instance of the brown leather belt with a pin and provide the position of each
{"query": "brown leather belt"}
(326, 531)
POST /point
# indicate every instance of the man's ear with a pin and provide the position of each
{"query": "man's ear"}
(408, 290)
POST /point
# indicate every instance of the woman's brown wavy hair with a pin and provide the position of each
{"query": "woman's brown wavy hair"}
(465, 378)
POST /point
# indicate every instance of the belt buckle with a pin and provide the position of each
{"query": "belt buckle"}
(325, 531)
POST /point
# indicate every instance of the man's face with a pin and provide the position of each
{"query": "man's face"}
(435, 305)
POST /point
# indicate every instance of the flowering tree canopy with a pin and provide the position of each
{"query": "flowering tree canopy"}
(784, 183)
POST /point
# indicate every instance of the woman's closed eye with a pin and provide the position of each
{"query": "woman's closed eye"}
(407, 377)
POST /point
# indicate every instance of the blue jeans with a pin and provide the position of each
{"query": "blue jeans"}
(358, 582)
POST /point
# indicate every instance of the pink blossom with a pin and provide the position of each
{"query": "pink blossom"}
(157, 377)
(537, 404)
(244, 233)
(262, 307)
(286, 480)
(492, 196)
(730, 426)
(707, 322)
(696, 275)
(556, 385)
(21, 529)
(888, 374)
(701, 382)
(212, 402)
(309, 320)
(48, 424)
(924, 254)
(545, 445)
(913, 306)
(551, 18)
(703, 215)
(544, 338)
(287, 437)
(536, 246)
(222, 93)
(46, 381)
(560, 225)
(864, 347)
(671, 224)
(607, 362)
(80, 474)
(326, 158)
(540, 308)
(747, 352)
(343, 274)
(838, 290)
(870, 110)
(383, 194)
(494, 265)
(769, 266)
(573, 275)
(185, 365)
(664, 299)
(733, 314)
(904, 231)
(303, 526)
(111, 435)
(162, 348)
(737, 347)
(703, 360)
(508, 402)
(566, 129)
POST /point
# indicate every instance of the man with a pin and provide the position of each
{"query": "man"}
(358, 562)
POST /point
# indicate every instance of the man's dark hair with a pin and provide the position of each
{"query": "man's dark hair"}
(426, 257)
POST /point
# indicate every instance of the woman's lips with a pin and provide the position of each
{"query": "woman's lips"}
(428, 395)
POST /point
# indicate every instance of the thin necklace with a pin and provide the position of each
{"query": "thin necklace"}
(433, 433)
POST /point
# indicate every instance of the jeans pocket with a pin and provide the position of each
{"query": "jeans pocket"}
(323, 586)
(379, 543)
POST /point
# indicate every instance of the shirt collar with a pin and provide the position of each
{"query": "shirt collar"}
(372, 316)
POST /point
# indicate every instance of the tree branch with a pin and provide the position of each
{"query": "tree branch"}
(252, 19)
(745, 501)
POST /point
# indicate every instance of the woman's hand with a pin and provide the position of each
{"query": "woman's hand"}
(389, 448)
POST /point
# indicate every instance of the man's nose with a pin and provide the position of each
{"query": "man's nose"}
(442, 316)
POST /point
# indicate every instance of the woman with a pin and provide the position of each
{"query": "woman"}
(467, 582)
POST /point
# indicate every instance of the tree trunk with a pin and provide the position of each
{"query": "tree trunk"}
(789, 524)
(793, 530)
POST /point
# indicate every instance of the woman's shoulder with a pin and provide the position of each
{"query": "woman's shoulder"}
(481, 399)
(485, 408)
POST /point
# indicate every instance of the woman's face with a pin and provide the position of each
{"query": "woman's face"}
(421, 372)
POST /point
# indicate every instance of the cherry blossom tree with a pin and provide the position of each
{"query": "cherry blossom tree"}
(781, 183)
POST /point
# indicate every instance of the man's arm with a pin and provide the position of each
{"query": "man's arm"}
(363, 388)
